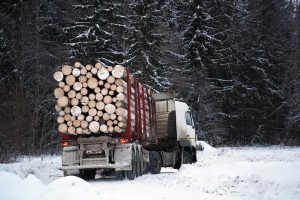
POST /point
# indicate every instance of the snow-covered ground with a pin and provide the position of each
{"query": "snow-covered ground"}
(224, 173)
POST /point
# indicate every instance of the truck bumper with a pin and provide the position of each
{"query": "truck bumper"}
(118, 167)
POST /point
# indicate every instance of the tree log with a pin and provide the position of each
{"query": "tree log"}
(78, 65)
(58, 76)
(94, 70)
(77, 86)
(82, 79)
(71, 129)
(92, 104)
(66, 70)
(89, 75)
(104, 91)
(105, 116)
(84, 85)
(97, 90)
(79, 130)
(111, 93)
(85, 109)
(71, 94)
(58, 92)
(92, 83)
(80, 117)
(103, 127)
(88, 67)
(75, 111)
(66, 88)
(96, 118)
(76, 123)
(84, 91)
(63, 101)
(110, 129)
(60, 119)
(94, 127)
(92, 96)
(98, 65)
(84, 124)
(67, 110)
(110, 109)
(113, 87)
(110, 80)
(84, 100)
(120, 89)
(100, 105)
(110, 68)
(67, 117)
(78, 96)
(93, 112)
(101, 82)
(99, 113)
(107, 99)
(107, 85)
(120, 97)
(61, 84)
(110, 123)
(70, 80)
(58, 108)
(69, 123)
(113, 116)
(103, 73)
(89, 118)
(99, 97)
(83, 71)
(62, 128)
(118, 71)
(76, 72)
(74, 102)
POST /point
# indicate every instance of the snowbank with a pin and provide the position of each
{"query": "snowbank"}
(264, 173)
(14, 187)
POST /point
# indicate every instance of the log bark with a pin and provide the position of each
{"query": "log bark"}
(66, 70)
(58, 92)
(63, 101)
(58, 76)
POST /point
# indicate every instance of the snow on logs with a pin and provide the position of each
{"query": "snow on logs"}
(91, 99)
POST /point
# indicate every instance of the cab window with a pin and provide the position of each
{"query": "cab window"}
(188, 119)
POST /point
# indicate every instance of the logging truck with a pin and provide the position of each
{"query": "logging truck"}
(111, 123)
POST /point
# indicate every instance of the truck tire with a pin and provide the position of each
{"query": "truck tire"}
(187, 158)
(131, 174)
(155, 162)
(88, 174)
(139, 165)
(120, 175)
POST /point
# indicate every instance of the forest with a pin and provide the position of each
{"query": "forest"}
(235, 62)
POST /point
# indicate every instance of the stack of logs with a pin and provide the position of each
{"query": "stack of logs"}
(91, 99)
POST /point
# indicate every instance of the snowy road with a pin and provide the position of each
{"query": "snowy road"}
(223, 173)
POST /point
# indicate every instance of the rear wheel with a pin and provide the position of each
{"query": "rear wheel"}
(88, 174)
(139, 165)
(187, 158)
(155, 162)
(131, 174)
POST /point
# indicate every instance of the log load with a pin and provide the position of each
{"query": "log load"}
(93, 99)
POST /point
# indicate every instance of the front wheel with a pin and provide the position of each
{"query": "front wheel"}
(88, 174)
(187, 158)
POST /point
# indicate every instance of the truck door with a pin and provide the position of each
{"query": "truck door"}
(190, 128)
